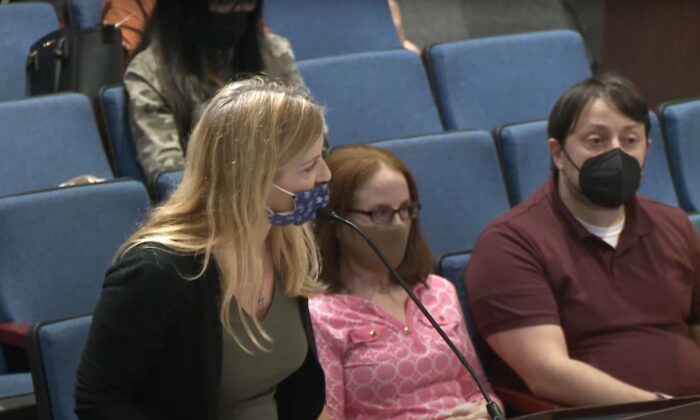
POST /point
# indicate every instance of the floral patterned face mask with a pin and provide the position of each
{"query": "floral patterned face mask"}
(305, 205)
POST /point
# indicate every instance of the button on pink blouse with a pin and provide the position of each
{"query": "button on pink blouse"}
(377, 367)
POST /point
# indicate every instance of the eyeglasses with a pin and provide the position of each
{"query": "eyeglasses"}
(383, 215)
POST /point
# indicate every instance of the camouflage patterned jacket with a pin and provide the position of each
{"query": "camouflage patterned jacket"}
(153, 129)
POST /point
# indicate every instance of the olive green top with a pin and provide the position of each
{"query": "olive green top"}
(248, 382)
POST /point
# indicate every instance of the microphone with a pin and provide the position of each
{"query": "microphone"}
(330, 216)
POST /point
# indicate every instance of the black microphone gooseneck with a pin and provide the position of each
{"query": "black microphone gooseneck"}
(327, 215)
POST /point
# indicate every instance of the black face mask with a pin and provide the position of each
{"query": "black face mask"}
(223, 31)
(609, 179)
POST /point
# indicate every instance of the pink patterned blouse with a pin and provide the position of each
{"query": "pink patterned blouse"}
(377, 367)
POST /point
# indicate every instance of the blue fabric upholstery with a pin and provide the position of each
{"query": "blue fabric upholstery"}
(21, 24)
(166, 182)
(115, 112)
(460, 184)
(57, 244)
(48, 140)
(656, 179)
(452, 267)
(85, 13)
(332, 27)
(15, 384)
(55, 354)
(527, 163)
(681, 122)
(483, 83)
(372, 96)
(525, 157)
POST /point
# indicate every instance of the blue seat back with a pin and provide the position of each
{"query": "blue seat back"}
(47, 140)
(372, 96)
(332, 27)
(166, 182)
(656, 179)
(527, 162)
(55, 349)
(21, 24)
(486, 82)
(56, 245)
(115, 113)
(681, 123)
(453, 267)
(85, 13)
(525, 157)
(459, 182)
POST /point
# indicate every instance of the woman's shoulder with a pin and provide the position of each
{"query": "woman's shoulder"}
(276, 45)
(331, 307)
(439, 288)
(153, 267)
(143, 64)
(326, 302)
(440, 283)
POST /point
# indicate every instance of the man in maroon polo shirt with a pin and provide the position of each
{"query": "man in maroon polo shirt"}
(585, 292)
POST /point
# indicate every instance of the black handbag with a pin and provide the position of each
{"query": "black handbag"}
(74, 59)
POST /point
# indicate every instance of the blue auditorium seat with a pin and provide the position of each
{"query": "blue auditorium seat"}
(55, 348)
(460, 185)
(372, 96)
(21, 24)
(681, 126)
(47, 140)
(525, 157)
(332, 27)
(656, 180)
(166, 182)
(452, 266)
(486, 82)
(57, 244)
(114, 107)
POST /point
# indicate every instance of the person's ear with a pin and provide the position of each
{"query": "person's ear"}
(557, 152)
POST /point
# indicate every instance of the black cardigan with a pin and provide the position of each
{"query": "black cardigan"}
(154, 347)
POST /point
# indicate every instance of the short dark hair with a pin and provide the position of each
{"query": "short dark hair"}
(617, 90)
(351, 167)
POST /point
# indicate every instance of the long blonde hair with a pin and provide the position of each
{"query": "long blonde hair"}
(247, 132)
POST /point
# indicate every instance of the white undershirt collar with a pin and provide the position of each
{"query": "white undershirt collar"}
(610, 234)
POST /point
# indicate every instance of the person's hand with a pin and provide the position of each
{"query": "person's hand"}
(475, 410)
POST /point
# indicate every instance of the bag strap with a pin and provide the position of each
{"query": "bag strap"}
(60, 53)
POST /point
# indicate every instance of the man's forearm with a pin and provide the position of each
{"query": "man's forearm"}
(573, 382)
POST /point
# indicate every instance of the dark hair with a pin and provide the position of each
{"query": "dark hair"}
(617, 90)
(351, 167)
(175, 27)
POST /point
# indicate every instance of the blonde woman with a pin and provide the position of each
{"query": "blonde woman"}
(204, 313)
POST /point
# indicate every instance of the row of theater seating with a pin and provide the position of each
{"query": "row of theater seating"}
(66, 144)
(59, 242)
(315, 28)
(458, 175)
(373, 92)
